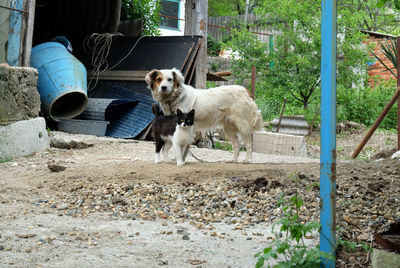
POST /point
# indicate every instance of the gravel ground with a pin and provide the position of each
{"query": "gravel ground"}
(109, 204)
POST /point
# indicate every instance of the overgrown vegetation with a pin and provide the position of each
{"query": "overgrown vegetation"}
(145, 11)
(291, 70)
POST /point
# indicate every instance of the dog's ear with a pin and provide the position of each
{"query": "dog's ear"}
(154, 108)
(150, 77)
(178, 77)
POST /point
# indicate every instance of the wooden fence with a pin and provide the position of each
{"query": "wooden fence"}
(219, 27)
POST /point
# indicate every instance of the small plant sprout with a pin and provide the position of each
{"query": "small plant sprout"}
(288, 248)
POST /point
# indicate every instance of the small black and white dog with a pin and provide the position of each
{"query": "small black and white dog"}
(172, 131)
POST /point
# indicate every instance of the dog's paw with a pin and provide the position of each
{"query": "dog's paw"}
(247, 162)
(157, 162)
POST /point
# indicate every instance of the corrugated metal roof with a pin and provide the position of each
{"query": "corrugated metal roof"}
(379, 34)
(129, 121)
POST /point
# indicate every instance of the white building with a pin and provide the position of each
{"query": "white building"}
(172, 17)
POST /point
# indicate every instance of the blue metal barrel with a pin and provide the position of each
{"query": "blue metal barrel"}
(62, 81)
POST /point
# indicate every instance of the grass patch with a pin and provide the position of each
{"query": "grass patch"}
(5, 160)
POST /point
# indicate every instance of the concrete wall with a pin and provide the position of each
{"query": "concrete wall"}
(22, 132)
(19, 97)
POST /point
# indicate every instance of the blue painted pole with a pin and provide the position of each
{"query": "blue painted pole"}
(328, 131)
(14, 35)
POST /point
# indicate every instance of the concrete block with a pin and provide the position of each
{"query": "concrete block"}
(19, 97)
(384, 259)
(23, 138)
(281, 144)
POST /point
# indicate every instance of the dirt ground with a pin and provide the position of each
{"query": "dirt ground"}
(104, 202)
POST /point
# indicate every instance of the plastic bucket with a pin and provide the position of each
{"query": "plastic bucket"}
(62, 81)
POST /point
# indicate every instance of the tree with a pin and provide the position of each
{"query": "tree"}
(375, 17)
(217, 8)
(292, 70)
(145, 11)
(396, 3)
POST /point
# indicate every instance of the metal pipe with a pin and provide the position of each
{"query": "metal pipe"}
(14, 36)
(15, 9)
(328, 131)
(376, 124)
(253, 81)
(398, 85)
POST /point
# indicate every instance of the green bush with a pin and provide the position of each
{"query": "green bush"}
(145, 11)
(363, 105)
(291, 70)
(213, 47)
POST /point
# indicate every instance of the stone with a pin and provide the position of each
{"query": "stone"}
(20, 99)
(23, 138)
(68, 143)
(384, 259)
(185, 236)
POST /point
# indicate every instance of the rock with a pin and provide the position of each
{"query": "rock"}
(396, 155)
(185, 236)
(55, 167)
(352, 259)
(383, 259)
(68, 143)
(180, 230)
(25, 235)
(1, 248)
(126, 188)
(162, 262)
(63, 206)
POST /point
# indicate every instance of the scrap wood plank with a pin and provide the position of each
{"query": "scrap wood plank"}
(193, 55)
(195, 58)
(187, 57)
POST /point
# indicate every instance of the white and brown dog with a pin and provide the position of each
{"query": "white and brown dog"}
(229, 107)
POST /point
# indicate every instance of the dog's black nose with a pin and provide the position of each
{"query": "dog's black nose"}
(163, 88)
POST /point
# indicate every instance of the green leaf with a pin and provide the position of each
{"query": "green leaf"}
(260, 262)
(266, 250)
(381, 3)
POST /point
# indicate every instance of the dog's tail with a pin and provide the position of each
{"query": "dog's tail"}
(256, 120)
(156, 109)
